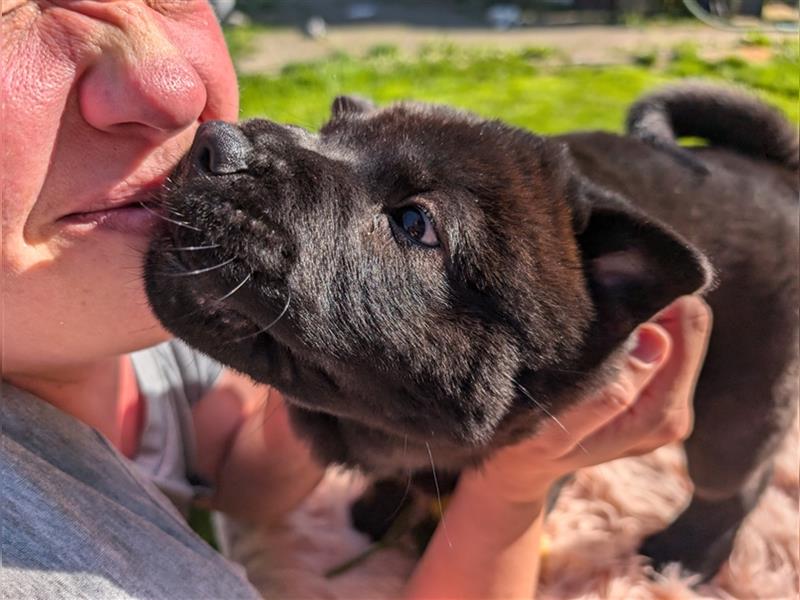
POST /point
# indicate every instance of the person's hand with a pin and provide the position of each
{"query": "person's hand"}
(487, 545)
(647, 405)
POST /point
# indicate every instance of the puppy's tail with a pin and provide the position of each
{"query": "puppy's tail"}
(723, 116)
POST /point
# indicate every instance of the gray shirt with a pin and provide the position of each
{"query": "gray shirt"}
(80, 521)
(172, 377)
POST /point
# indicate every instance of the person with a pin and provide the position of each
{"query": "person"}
(100, 99)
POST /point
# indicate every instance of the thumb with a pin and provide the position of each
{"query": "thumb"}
(651, 349)
(625, 422)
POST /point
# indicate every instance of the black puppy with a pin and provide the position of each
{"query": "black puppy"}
(424, 284)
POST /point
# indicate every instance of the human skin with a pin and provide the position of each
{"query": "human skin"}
(646, 406)
(99, 101)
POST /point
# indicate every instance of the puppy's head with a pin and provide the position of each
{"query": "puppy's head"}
(414, 279)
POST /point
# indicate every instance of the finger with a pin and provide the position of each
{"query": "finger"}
(663, 413)
(688, 321)
(636, 370)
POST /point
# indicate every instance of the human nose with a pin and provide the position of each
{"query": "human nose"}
(147, 89)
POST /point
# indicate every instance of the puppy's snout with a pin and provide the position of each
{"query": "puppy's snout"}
(219, 149)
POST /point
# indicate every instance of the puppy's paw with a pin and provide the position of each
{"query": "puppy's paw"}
(698, 555)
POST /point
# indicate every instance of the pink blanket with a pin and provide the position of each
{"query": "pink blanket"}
(590, 550)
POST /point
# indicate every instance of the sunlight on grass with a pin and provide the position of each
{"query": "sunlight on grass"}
(528, 87)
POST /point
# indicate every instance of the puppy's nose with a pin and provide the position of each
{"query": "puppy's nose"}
(219, 148)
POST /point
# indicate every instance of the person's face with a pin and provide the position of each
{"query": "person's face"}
(100, 99)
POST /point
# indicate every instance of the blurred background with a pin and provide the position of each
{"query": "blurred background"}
(547, 65)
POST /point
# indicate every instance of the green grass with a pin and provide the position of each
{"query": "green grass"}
(777, 78)
(240, 38)
(531, 88)
(200, 521)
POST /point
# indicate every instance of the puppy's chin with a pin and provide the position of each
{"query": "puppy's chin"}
(335, 440)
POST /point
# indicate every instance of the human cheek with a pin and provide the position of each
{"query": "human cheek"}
(34, 87)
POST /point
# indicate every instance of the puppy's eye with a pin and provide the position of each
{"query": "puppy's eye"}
(416, 224)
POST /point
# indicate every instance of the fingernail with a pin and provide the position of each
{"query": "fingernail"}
(649, 347)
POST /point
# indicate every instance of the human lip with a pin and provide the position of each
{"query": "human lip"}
(132, 211)
(136, 219)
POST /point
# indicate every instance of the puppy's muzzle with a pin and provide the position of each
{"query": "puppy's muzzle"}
(219, 148)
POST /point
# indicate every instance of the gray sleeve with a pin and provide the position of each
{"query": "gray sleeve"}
(172, 377)
(198, 373)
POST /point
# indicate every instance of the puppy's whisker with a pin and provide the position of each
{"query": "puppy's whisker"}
(163, 218)
(548, 413)
(234, 290)
(408, 483)
(174, 212)
(570, 371)
(192, 248)
(137, 270)
(143, 329)
(265, 329)
(134, 250)
(540, 406)
(391, 517)
(438, 496)
(203, 270)
(171, 209)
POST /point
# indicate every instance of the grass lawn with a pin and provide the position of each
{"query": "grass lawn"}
(532, 88)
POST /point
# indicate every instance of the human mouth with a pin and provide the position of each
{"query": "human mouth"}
(136, 219)
(134, 213)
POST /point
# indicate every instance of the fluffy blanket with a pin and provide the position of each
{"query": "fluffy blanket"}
(589, 551)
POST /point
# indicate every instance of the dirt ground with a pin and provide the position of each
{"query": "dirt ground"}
(595, 44)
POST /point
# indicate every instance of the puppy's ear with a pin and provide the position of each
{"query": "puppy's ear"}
(634, 265)
(350, 105)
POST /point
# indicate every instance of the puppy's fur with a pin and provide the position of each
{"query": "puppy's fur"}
(393, 354)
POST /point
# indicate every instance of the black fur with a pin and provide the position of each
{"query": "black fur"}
(725, 117)
(552, 250)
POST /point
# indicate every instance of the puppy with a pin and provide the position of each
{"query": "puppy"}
(421, 283)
